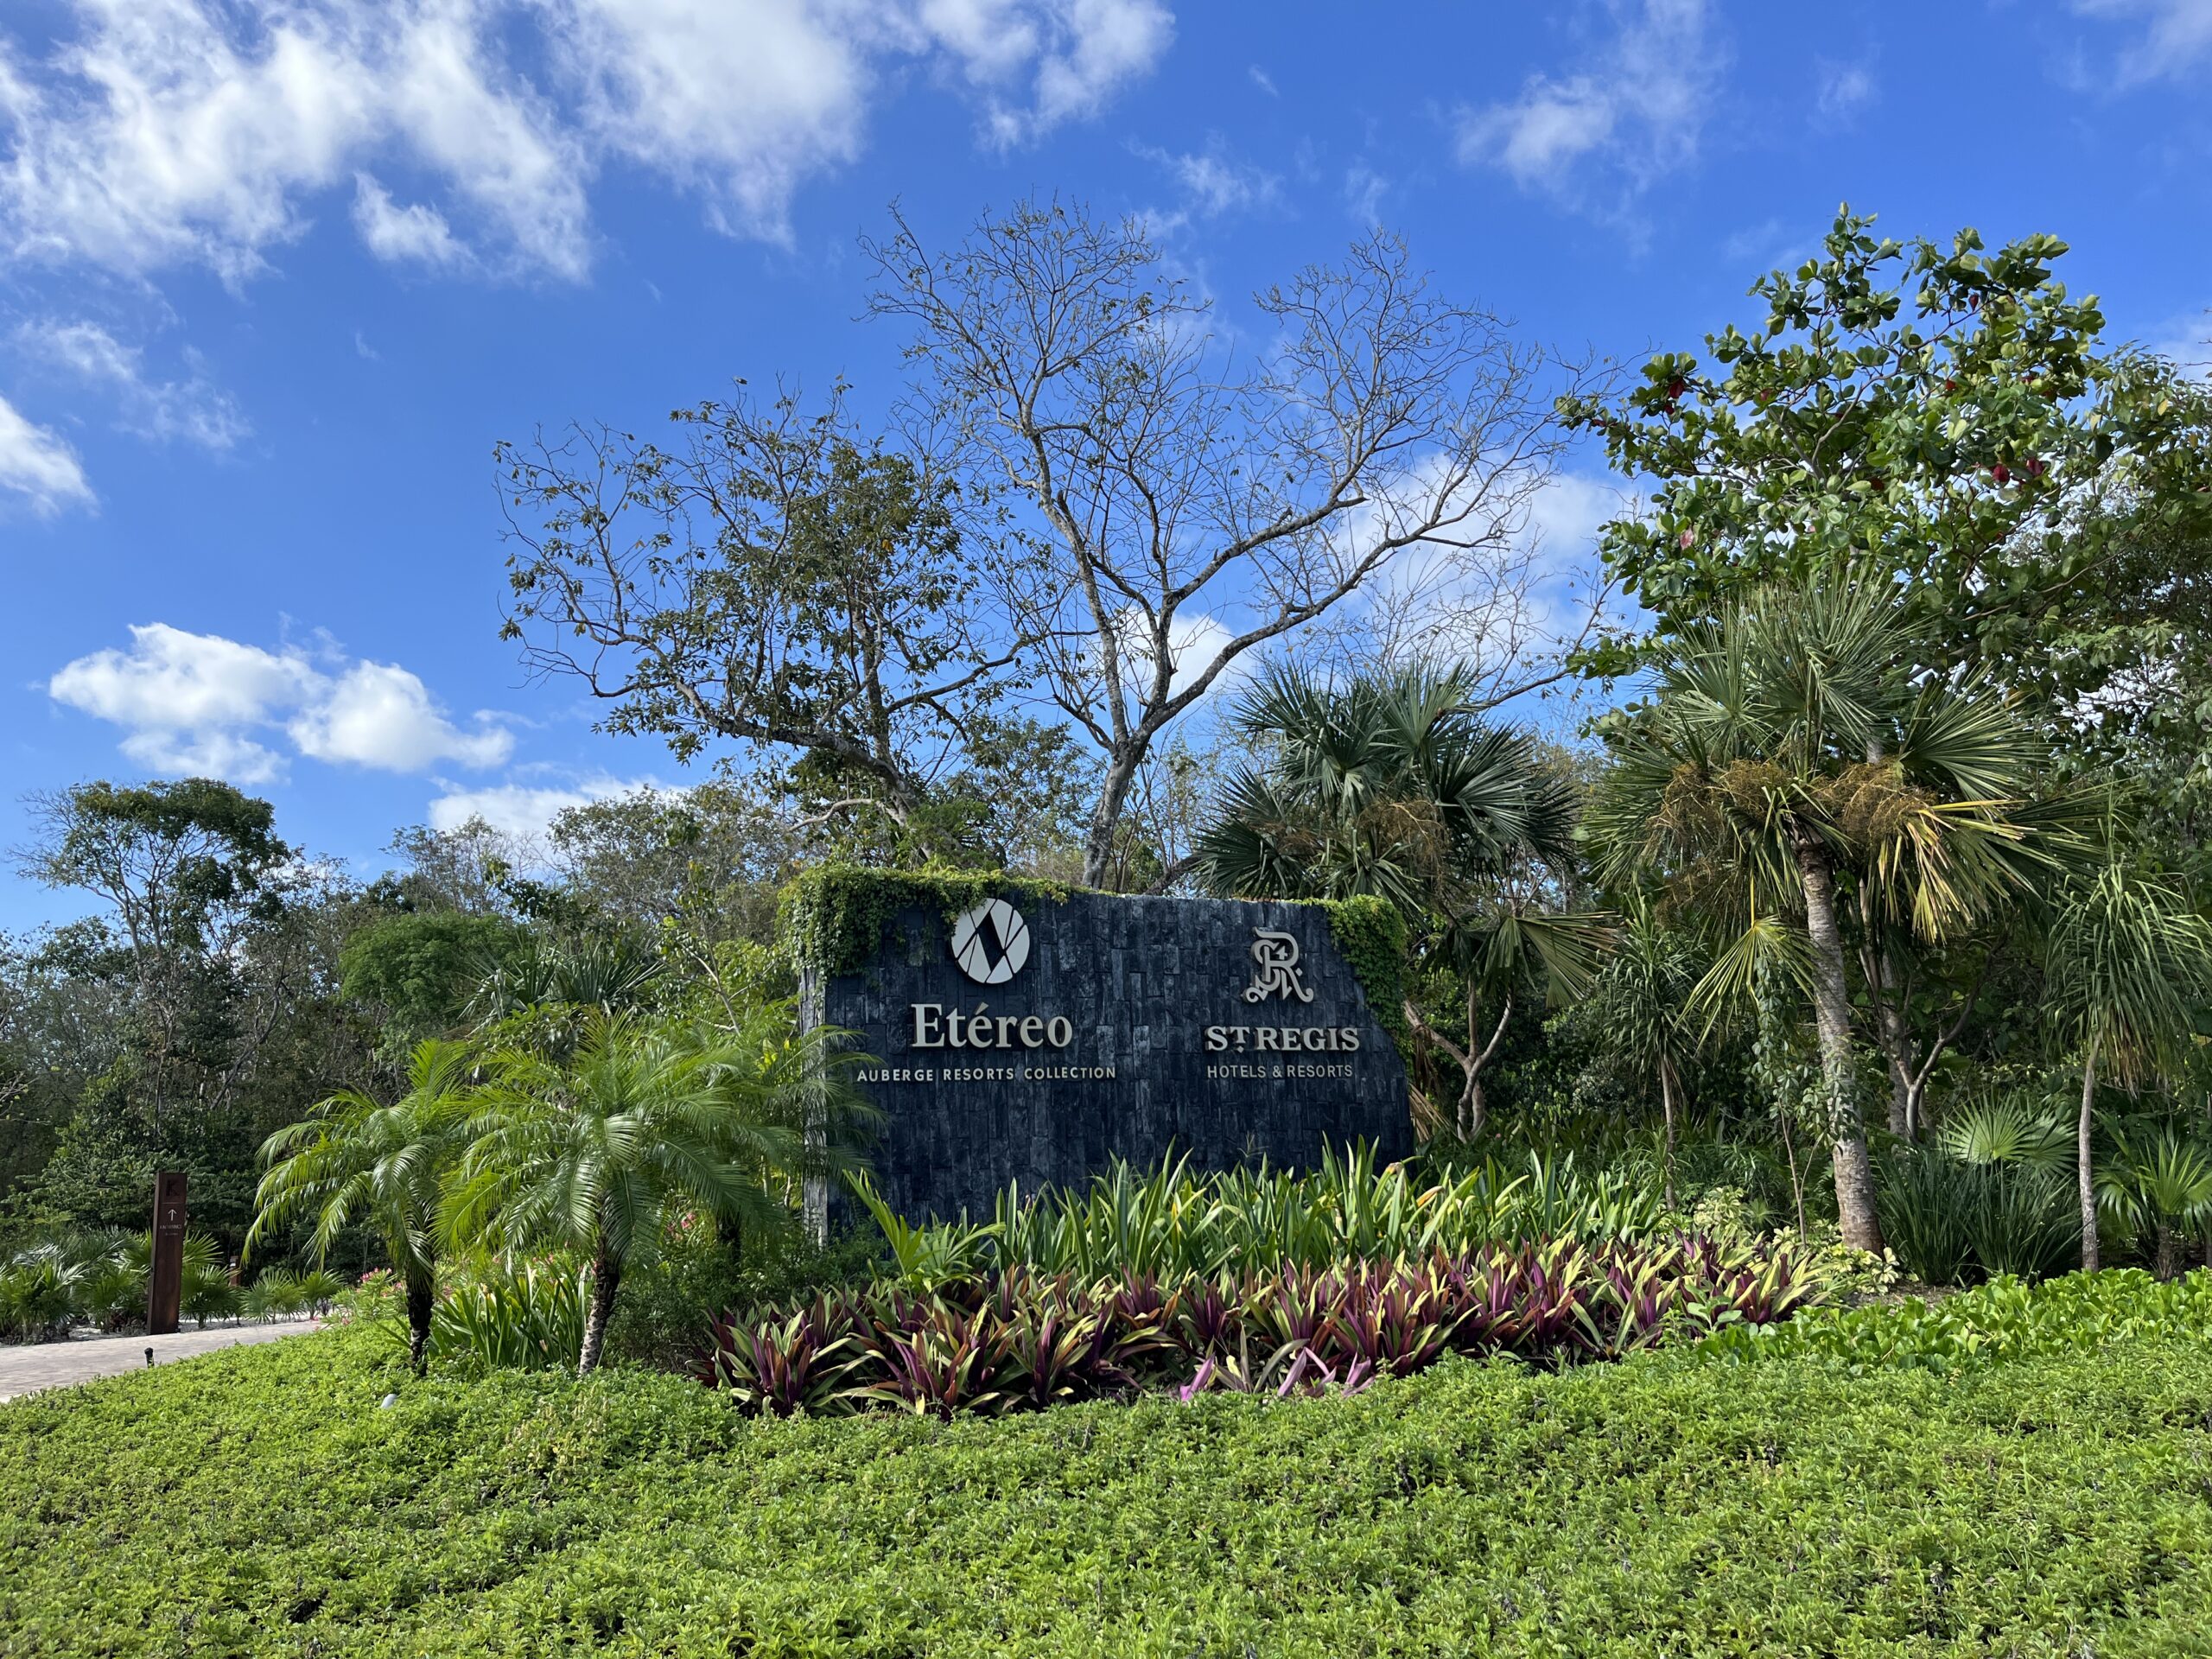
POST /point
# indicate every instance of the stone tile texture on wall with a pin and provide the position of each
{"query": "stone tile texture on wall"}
(1176, 1036)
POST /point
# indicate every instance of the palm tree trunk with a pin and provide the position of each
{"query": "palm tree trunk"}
(1898, 1058)
(2169, 1262)
(1667, 1109)
(2082, 1161)
(421, 1297)
(606, 1280)
(1854, 1171)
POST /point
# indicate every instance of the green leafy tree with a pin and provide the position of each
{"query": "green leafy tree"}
(1786, 757)
(419, 970)
(708, 860)
(1394, 785)
(361, 1161)
(642, 1125)
(185, 871)
(2129, 969)
(769, 578)
(1950, 415)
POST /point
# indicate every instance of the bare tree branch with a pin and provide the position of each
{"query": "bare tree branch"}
(1190, 509)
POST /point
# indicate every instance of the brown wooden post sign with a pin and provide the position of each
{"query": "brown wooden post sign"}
(167, 1289)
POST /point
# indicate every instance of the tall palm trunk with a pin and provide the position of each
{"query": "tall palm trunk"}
(422, 1296)
(2082, 1161)
(605, 1279)
(1854, 1171)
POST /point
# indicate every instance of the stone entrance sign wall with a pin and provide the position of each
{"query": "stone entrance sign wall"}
(1034, 1039)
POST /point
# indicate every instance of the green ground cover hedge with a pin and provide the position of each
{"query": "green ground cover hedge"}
(258, 1501)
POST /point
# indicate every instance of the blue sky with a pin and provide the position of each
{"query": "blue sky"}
(275, 277)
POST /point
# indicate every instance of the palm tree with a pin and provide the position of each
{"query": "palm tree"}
(359, 1159)
(1788, 758)
(1644, 1001)
(544, 993)
(1394, 785)
(2162, 1183)
(642, 1124)
(2128, 963)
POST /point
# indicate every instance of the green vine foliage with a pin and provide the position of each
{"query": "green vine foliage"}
(1371, 936)
(836, 918)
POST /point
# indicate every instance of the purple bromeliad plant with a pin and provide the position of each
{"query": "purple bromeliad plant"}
(1021, 1340)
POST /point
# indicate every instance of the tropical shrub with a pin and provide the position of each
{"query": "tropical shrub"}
(1921, 1200)
(1171, 1222)
(278, 1294)
(102, 1279)
(2006, 1320)
(42, 1291)
(1999, 1209)
(258, 1500)
(2157, 1184)
(638, 1128)
(1019, 1339)
(527, 1315)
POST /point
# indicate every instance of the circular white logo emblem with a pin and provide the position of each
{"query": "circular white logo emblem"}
(991, 942)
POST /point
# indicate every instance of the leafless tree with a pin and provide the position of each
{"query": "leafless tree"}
(1191, 504)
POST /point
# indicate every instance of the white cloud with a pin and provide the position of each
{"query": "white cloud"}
(1844, 90)
(179, 132)
(414, 233)
(1040, 63)
(1210, 183)
(525, 811)
(204, 754)
(1263, 80)
(1521, 587)
(2186, 340)
(1091, 47)
(159, 133)
(184, 681)
(1364, 189)
(2177, 34)
(1566, 514)
(191, 409)
(36, 464)
(379, 715)
(1216, 182)
(199, 702)
(737, 102)
(1770, 244)
(1599, 134)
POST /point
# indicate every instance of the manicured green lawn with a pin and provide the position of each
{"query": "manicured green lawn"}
(259, 1502)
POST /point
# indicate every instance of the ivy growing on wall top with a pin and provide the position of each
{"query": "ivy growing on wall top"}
(836, 916)
(1371, 936)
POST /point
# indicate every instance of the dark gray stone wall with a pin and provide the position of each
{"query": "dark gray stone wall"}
(1139, 981)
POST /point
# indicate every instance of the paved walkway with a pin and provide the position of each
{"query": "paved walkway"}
(32, 1366)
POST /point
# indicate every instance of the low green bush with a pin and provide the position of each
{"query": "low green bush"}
(2003, 1321)
(258, 1501)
